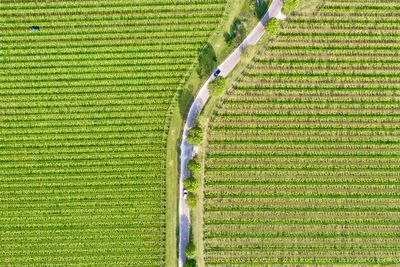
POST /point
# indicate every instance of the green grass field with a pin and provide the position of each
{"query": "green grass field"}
(85, 107)
(303, 155)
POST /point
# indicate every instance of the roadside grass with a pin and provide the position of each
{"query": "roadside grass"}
(308, 6)
(172, 185)
(305, 6)
(217, 39)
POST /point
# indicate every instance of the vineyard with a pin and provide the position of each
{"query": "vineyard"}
(303, 155)
(85, 94)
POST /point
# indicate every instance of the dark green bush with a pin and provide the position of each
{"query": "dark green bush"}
(207, 61)
(261, 8)
(190, 263)
(237, 32)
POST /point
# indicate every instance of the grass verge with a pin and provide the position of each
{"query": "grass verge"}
(308, 6)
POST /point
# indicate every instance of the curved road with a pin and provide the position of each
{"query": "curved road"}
(186, 149)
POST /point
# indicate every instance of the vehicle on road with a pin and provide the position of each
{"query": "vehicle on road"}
(195, 151)
(217, 72)
(185, 193)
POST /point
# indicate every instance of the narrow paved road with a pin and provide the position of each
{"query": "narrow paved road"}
(186, 149)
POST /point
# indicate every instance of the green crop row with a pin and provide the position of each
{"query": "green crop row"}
(303, 153)
(84, 112)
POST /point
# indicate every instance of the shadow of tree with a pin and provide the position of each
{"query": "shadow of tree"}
(261, 7)
(207, 61)
(185, 232)
(185, 99)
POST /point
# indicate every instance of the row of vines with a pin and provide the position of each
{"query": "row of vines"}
(84, 106)
(303, 154)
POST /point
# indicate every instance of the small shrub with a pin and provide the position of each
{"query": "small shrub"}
(191, 184)
(195, 135)
(194, 167)
(228, 37)
(191, 250)
(217, 86)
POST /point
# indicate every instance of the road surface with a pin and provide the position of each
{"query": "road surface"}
(186, 149)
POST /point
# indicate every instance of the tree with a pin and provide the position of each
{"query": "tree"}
(237, 32)
(207, 61)
(261, 8)
(190, 263)
(272, 28)
(228, 37)
(191, 200)
(240, 30)
(194, 167)
(217, 86)
(195, 135)
(191, 184)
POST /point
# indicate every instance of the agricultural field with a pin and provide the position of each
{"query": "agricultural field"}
(303, 158)
(85, 104)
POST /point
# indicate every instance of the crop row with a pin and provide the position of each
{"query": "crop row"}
(19, 4)
(302, 159)
(119, 29)
(85, 104)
